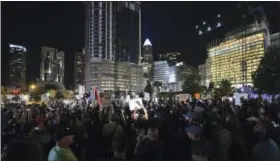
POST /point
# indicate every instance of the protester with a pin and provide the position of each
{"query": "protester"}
(17, 151)
(62, 150)
(196, 131)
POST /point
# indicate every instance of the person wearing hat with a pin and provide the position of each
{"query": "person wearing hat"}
(200, 147)
(62, 150)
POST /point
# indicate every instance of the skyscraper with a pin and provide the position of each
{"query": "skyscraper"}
(79, 66)
(147, 60)
(161, 71)
(113, 32)
(17, 66)
(52, 65)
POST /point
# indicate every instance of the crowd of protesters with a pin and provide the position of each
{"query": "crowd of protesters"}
(200, 130)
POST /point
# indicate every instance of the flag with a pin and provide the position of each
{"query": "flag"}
(96, 92)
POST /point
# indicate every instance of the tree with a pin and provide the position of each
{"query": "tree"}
(52, 93)
(3, 90)
(149, 88)
(224, 89)
(157, 84)
(59, 95)
(35, 95)
(192, 82)
(68, 95)
(266, 78)
(203, 89)
(3, 94)
(210, 88)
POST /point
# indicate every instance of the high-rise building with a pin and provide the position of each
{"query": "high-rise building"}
(52, 65)
(202, 73)
(171, 57)
(79, 68)
(147, 60)
(275, 39)
(110, 75)
(177, 75)
(113, 32)
(17, 66)
(161, 71)
(238, 55)
(147, 49)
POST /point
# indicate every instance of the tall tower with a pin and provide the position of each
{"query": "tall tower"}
(147, 60)
(79, 69)
(17, 66)
(113, 32)
(52, 65)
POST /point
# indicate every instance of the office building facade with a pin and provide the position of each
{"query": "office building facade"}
(113, 32)
(52, 65)
(17, 66)
(177, 75)
(161, 71)
(110, 75)
(238, 55)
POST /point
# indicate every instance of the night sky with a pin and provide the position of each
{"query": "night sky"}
(169, 25)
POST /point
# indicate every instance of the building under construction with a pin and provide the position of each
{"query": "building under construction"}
(238, 54)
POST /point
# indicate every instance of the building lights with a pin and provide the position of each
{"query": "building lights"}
(18, 46)
(208, 26)
(226, 59)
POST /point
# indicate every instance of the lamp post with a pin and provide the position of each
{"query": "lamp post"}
(32, 87)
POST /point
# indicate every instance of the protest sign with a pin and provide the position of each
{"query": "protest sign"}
(136, 104)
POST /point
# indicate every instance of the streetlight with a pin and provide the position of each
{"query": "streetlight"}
(32, 86)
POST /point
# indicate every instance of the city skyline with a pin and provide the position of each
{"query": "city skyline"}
(47, 25)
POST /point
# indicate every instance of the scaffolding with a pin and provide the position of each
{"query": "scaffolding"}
(237, 55)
